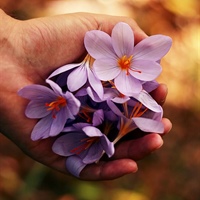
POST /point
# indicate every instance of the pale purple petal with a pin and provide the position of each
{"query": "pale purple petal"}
(94, 153)
(121, 100)
(148, 70)
(36, 92)
(80, 125)
(72, 103)
(69, 129)
(146, 99)
(106, 69)
(56, 88)
(149, 86)
(127, 84)
(158, 116)
(93, 95)
(75, 165)
(98, 44)
(36, 109)
(80, 93)
(108, 146)
(42, 128)
(95, 83)
(92, 131)
(58, 122)
(98, 117)
(122, 39)
(65, 144)
(152, 48)
(149, 125)
(77, 78)
(114, 108)
(69, 113)
(64, 69)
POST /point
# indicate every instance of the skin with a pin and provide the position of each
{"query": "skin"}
(30, 51)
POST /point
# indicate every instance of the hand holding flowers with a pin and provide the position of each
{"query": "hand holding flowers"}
(30, 59)
(112, 82)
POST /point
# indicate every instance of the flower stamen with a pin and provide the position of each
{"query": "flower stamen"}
(56, 105)
(87, 143)
(125, 64)
(136, 112)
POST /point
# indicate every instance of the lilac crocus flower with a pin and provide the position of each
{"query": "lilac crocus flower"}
(81, 74)
(87, 144)
(143, 112)
(117, 58)
(51, 106)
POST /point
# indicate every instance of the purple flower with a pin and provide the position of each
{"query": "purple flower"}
(143, 112)
(117, 58)
(81, 74)
(85, 146)
(52, 107)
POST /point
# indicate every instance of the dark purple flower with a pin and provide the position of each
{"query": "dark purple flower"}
(87, 144)
(51, 106)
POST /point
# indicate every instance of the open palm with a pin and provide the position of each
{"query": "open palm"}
(30, 51)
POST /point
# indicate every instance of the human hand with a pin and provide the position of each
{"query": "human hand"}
(30, 51)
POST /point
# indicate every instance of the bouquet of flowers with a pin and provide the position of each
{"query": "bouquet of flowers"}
(91, 105)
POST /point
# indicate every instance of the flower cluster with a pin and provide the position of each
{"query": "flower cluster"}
(91, 105)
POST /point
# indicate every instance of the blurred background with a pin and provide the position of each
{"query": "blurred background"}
(173, 172)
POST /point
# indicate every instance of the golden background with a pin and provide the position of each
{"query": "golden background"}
(173, 172)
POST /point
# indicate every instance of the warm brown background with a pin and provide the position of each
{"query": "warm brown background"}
(172, 173)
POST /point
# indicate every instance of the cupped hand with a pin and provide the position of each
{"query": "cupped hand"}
(30, 51)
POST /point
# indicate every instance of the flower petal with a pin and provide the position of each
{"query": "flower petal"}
(72, 103)
(75, 165)
(122, 39)
(93, 95)
(149, 86)
(36, 109)
(94, 153)
(98, 44)
(98, 117)
(148, 70)
(56, 88)
(106, 69)
(152, 48)
(36, 92)
(58, 122)
(64, 69)
(95, 83)
(42, 128)
(114, 108)
(77, 78)
(108, 146)
(127, 84)
(91, 131)
(149, 125)
(146, 99)
(65, 144)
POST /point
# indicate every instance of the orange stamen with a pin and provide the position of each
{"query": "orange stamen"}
(136, 112)
(56, 105)
(125, 64)
(87, 142)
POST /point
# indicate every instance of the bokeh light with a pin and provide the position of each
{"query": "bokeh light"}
(172, 173)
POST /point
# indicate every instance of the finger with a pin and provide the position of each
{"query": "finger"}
(167, 126)
(160, 94)
(108, 170)
(139, 148)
